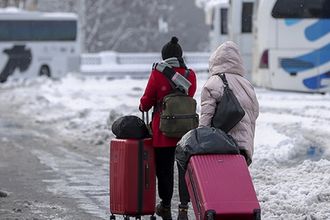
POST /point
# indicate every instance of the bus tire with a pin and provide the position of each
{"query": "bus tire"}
(45, 71)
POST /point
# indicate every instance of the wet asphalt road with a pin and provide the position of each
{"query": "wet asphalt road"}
(46, 176)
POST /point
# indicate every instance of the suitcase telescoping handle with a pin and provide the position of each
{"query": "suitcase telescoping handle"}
(145, 117)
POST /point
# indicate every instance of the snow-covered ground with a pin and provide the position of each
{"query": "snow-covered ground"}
(291, 164)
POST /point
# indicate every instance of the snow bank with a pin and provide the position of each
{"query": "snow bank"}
(78, 106)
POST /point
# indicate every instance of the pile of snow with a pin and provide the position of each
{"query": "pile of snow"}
(291, 168)
(291, 164)
(83, 107)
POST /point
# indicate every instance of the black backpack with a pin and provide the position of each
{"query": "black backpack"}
(178, 112)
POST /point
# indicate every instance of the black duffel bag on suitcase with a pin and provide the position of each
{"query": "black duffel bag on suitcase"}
(130, 127)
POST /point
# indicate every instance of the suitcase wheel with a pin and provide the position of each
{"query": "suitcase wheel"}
(112, 217)
(257, 214)
(210, 214)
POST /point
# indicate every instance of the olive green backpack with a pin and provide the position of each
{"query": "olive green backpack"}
(178, 113)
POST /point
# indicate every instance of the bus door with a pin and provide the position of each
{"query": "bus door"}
(301, 59)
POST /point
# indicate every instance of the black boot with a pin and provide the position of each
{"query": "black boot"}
(183, 212)
(164, 211)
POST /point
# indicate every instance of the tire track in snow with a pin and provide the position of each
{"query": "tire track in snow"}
(302, 139)
(79, 178)
(306, 127)
(303, 143)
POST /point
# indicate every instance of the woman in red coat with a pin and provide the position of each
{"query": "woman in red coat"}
(159, 86)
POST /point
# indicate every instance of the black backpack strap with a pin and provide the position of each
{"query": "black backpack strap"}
(169, 73)
(223, 77)
(186, 74)
(172, 84)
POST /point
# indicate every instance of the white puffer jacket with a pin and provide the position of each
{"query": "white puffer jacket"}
(227, 59)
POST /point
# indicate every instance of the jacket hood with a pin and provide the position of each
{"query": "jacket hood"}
(226, 59)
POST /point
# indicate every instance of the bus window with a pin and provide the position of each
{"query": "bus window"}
(224, 21)
(301, 9)
(43, 30)
(247, 12)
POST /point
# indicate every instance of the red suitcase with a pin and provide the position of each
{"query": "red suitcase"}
(132, 178)
(221, 188)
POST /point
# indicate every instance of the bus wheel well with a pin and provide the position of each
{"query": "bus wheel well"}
(45, 71)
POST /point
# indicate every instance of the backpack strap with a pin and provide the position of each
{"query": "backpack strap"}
(186, 74)
(172, 84)
(169, 73)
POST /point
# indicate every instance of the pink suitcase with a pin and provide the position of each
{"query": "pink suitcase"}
(132, 178)
(221, 188)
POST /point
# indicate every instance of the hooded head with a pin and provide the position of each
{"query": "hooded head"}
(172, 49)
(226, 59)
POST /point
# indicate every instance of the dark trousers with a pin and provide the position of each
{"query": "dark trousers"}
(165, 157)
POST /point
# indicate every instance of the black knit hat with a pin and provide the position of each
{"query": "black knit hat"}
(172, 49)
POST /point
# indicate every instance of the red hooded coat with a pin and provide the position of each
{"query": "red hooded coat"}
(158, 86)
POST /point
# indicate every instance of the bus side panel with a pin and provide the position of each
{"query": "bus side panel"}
(293, 33)
(295, 63)
(289, 78)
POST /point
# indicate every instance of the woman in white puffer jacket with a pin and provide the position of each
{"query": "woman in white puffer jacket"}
(227, 59)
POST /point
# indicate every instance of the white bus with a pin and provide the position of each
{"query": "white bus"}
(232, 20)
(292, 45)
(36, 43)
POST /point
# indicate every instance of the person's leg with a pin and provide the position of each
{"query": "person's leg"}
(164, 158)
(183, 190)
(165, 173)
(247, 158)
(184, 195)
